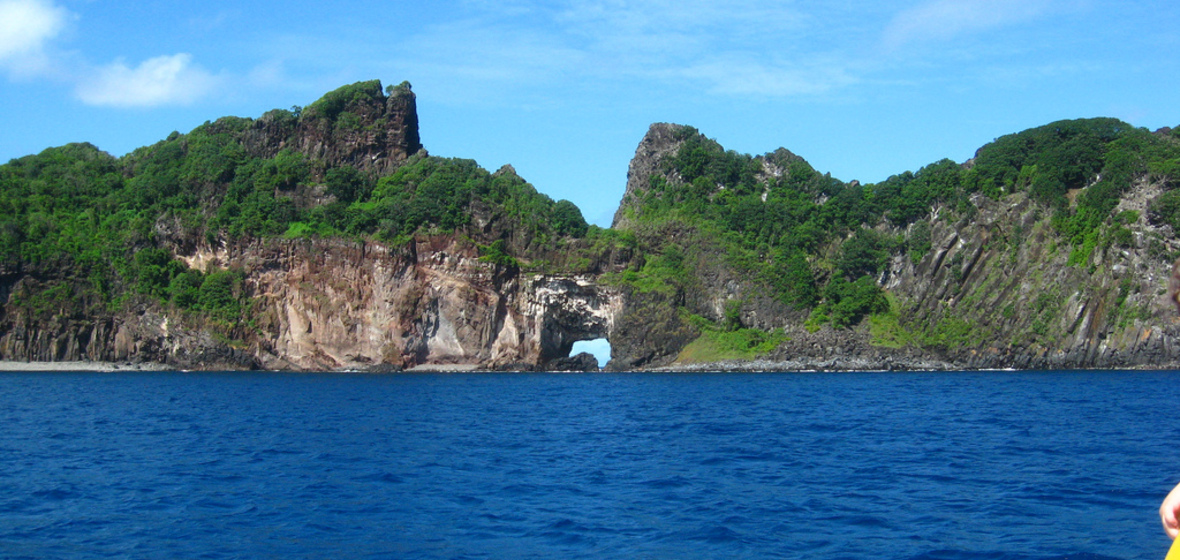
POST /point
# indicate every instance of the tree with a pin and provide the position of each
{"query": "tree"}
(568, 220)
(865, 253)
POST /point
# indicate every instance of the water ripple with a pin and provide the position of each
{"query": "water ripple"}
(1050, 466)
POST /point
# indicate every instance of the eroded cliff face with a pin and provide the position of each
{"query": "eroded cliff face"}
(338, 305)
(143, 334)
(659, 142)
(1007, 276)
(997, 289)
(327, 304)
(998, 292)
(372, 132)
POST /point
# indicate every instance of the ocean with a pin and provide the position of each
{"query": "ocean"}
(907, 466)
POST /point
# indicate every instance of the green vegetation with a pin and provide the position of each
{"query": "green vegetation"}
(728, 341)
(885, 327)
(775, 224)
(336, 102)
(814, 242)
(443, 195)
(664, 273)
(1094, 161)
(846, 303)
(918, 241)
(495, 253)
(98, 231)
(92, 224)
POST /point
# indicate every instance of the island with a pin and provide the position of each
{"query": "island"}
(327, 238)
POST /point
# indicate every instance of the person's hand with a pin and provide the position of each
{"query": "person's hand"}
(1169, 511)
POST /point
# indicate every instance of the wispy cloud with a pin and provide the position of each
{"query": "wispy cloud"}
(164, 80)
(25, 27)
(938, 20)
(469, 49)
(742, 48)
(739, 18)
(677, 33)
(747, 76)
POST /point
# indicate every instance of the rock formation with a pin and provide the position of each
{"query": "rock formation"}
(356, 125)
(997, 289)
(330, 305)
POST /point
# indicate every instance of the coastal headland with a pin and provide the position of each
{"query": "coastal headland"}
(327, 238)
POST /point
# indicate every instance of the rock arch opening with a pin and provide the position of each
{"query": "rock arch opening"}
(598, 347)
(573, 311)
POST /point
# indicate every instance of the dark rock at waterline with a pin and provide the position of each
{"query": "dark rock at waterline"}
(580, 362)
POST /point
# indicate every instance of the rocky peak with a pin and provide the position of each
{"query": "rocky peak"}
(359, 125)
(506, 170)
(661, 139)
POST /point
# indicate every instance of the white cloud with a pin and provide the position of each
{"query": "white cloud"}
(25, 27)
(28, 29)
(164, 80)
(945, 19)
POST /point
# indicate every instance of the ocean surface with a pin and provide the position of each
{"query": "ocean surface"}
(937, 466)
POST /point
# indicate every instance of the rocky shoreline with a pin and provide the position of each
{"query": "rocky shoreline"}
(832, 365)
(10, 365)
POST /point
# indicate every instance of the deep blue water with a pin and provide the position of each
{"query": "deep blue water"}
(936, 466)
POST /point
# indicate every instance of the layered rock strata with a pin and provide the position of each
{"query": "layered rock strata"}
(335, 305)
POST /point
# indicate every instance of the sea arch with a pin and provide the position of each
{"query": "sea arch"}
(573, 309)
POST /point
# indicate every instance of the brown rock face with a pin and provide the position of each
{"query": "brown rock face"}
(357, 125)
(328, 304)
(338, 305)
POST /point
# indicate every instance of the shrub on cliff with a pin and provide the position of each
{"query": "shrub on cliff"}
(333, 103)
(774, 209)
(442, 194)
(846, 303)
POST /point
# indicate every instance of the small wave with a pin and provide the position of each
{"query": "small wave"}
(661, 483)
(469, 500)
(60, 493)
(718, 534)
(518, 490)
(382, 477)
(996, 555)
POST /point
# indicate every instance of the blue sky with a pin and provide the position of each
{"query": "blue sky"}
(564, 91)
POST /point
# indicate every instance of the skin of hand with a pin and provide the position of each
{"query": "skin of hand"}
(1169, 511)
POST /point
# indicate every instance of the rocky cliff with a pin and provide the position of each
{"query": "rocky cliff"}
(464, 298)
(325, 304)
(331, 305)
(999, 286)
(357, 125)
(977, 302)
(324, 238)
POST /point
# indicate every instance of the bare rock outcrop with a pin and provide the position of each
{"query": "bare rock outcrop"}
(347, 305)
(999, 288)
(357, 125)
(329, 304)
(661, 140)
